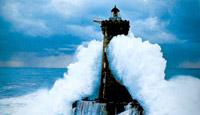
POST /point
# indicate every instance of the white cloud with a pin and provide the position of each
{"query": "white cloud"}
(49, 17)
(190, 65)
(65, 49)
(24, 59)
(61, 61)
(11, 64)
(53, 17)
(153, 30)
(23, 21)
(69, 8)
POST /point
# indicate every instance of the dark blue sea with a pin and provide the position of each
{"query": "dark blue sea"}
(20, 81)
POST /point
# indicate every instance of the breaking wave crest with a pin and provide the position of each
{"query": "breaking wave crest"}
(81, 80)
(139, 65)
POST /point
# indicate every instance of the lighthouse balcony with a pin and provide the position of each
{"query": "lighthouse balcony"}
(115, 27)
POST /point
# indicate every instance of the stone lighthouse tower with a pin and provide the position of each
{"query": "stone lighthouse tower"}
(111, 91)
(113, 98)
(110, 88)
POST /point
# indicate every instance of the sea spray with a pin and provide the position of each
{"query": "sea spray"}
(89, 108)
(81, 80)
(140, 66)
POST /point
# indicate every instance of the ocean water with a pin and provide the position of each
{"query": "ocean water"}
(20, 81)
(16, 82)
(138, 64)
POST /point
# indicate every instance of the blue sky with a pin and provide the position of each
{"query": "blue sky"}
(46, 33)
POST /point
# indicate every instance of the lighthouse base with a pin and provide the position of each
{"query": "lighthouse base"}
(96, 108)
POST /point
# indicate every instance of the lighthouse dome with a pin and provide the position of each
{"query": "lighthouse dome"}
(115, 14)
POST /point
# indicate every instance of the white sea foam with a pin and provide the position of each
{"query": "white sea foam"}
(139, 65)
(81, 80)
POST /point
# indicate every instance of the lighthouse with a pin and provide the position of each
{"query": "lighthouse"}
(113, 98)
(111, 89)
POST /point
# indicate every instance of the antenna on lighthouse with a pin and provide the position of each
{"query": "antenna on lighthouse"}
(115, 2)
